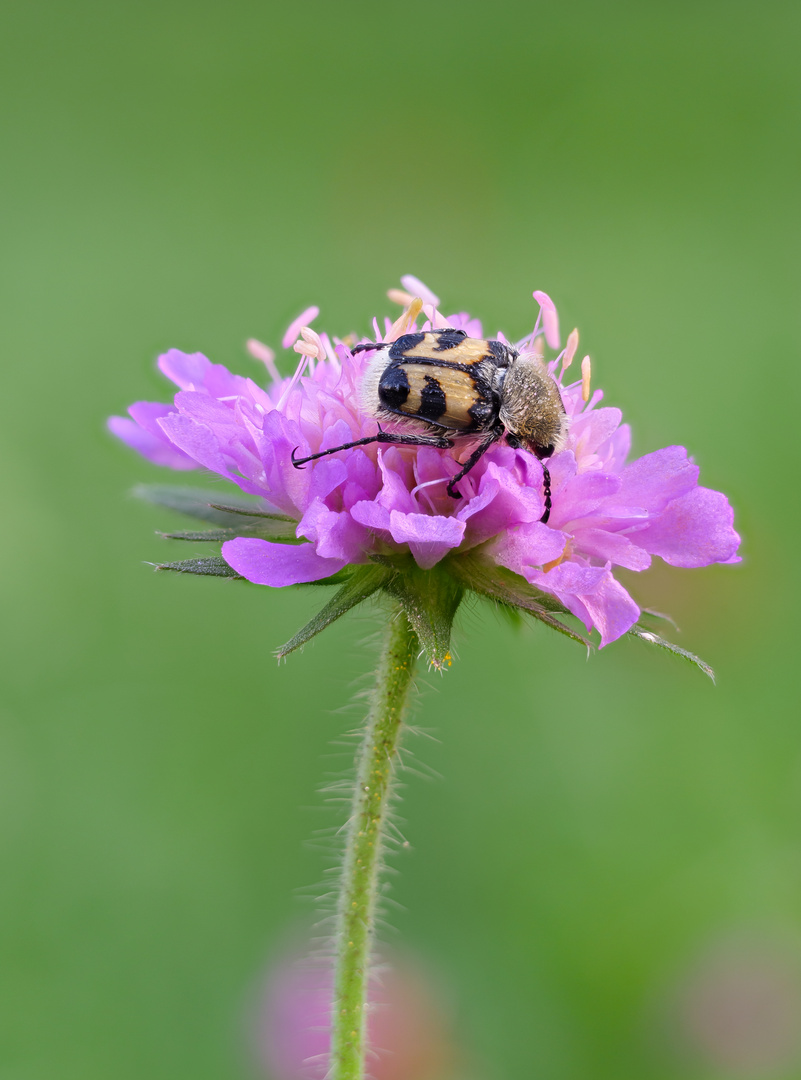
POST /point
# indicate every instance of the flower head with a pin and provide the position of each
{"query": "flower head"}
(386, 508)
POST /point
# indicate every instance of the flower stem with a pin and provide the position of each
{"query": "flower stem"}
(363, 848)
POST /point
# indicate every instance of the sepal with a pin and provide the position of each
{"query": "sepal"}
(644, 634)
(216, 566)
(204, 505)
(361, 584)
(278, 531)
(495, 582)
(430, 599)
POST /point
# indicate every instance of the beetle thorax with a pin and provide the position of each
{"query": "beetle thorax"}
(531, 407)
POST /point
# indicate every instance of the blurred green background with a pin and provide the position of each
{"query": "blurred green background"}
(192, 174)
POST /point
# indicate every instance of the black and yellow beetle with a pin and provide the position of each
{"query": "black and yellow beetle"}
(467, 387)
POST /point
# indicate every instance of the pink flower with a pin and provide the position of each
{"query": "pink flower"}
(377, 503)
(407, 1024)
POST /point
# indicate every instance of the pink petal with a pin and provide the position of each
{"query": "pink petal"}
(429, 537)
(416, 287)
(195, 440)
(155, 448)
(590, 430)
(187, 370)
(335, 535)
(265, 563)
(371, 514)
(612, 609)
(502, 502)
(582, 495)
(524, 547)
(611, 547)
(656, 479)
(593, 595)
(694, 530)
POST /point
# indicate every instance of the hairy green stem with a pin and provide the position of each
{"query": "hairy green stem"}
(365, 833)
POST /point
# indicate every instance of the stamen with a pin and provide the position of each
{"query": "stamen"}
(586, 374)
(567, 551)
(436, 319)
(570, 350)
(418, 288)
(259, 351)
(550, 319)
(406, 319)
(429, 483)
(330, 352)
(304, 359)
(399, 296)
(312, 338)
(305, 317)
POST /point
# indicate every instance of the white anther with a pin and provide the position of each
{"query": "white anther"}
(586, 374)
(311, 337)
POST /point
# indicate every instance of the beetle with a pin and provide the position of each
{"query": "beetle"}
(460, 387)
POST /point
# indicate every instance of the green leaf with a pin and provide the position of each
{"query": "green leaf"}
(204, 505)
(216, 566)
(430, 599)
(644, 634)
(365, 581)
(505, 587)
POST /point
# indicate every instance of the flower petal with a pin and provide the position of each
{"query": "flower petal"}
(429, 537)
(695, 530)
(196, 440)
(550, 319)
(155, 447)
(527, 546)
(593, 595)
(416, 287)
(501, 502)
(265, 563)
(335, 535)
(591, 430)
(656, 479)
(612, 547)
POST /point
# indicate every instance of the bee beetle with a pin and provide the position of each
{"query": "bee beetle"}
(461, 387)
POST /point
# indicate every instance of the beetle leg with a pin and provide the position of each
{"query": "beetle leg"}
(382, 437)
(471, 461)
